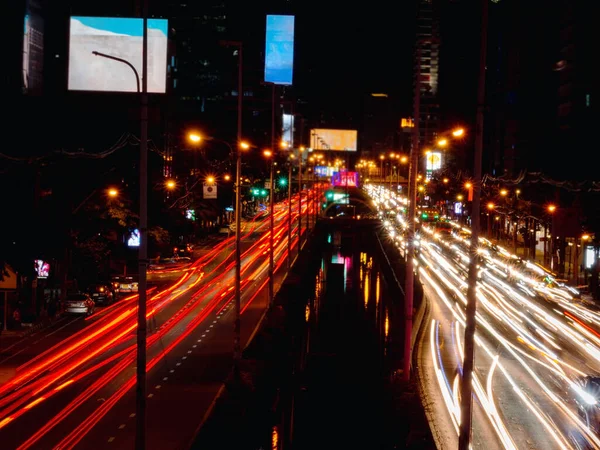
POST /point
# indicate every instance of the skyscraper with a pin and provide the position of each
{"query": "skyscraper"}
(427, 60)
(577, 87)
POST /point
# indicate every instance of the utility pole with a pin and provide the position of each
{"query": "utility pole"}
(466, 386)
(412, 194)
(289, 239)
(271, 198)
(237, 350)
(301, 149)
(140, 435)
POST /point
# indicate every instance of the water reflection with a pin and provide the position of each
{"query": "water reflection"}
(275, 438)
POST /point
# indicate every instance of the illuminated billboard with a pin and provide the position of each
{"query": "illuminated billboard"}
(42, 268)
(345, 179)
(279, 49)
(433, 161)
(33, 48)
(340, 140)
(287, 134)
(120, 38)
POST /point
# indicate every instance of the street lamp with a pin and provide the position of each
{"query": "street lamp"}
(490, 207)
(289, 184)
(413, 177)
(140, 393)
(551, 209)
(466, 381)
(112, 192)
(269, 154)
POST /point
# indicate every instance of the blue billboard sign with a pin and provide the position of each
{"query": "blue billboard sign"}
(279, 49)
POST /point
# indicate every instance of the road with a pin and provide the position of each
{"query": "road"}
(78, 392)
(535, 341)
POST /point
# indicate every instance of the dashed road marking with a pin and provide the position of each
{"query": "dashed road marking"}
(183, 357)
(110, 439)
(132, 415)
(189, 351)
(165, 378)
(157, 386)
(211, 326)
(214, 321)
(199, 340)
(178, 364)
(172, 370)
(203, 335)
(121, 426)
(150, 395)
(194, 346)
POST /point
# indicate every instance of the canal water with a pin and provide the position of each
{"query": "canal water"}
(352, 347)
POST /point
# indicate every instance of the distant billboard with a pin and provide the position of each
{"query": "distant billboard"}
(335, 140)
(33, 48)
(121, 38)
(287, 134)
(345, 179)
(42, 268)
(433, 161)
(324, 171)
(279, 49)
(134, 238)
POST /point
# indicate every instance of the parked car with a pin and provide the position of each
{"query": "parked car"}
(102, 293)
(79, 303)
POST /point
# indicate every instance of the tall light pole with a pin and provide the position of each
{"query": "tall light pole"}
(301, 149)
(289, 239)
(412, 195)
(466, 386)
(240, 145)
(140, 435)
(140, 386)
(237, 349)
(270, 154)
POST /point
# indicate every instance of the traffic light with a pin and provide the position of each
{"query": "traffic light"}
(283, 182)
(329, 195)
(255, 192)
(263, 192)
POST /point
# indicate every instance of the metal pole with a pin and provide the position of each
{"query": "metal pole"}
(289, 258)
(271, 197)
(299, 200)
(412, 193)
(140, 435)
(4, 325)
(466, 387)
(237, 351)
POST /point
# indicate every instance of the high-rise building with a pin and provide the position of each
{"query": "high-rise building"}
(577, 89)
(427, 60)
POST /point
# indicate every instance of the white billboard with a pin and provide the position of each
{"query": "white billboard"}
(433, 161)
(341, 140)
(287, 134)
(119, 38)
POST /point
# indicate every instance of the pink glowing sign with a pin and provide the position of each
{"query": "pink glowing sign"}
(344, 178)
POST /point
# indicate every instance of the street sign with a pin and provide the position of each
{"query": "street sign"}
(267, 184)
(210, 191)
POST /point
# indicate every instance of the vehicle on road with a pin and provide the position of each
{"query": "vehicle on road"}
(102, 293)
(125, 284)
(79, 303)
(443, 228)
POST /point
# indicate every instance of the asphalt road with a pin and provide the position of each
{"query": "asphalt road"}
(78, 393)
(535, 339)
